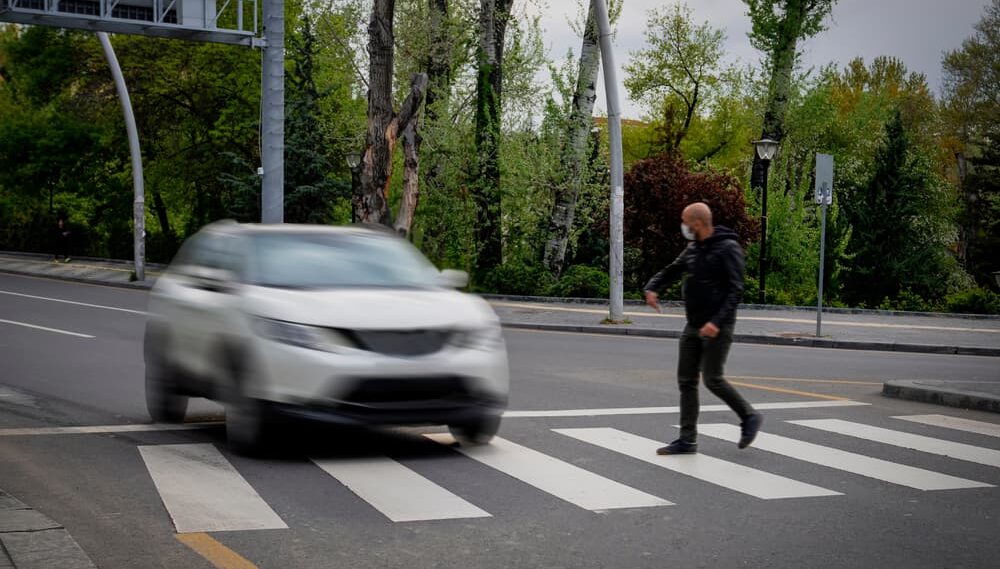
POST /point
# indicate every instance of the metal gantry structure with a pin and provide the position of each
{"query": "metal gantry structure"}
(252, 23)
(236, 22)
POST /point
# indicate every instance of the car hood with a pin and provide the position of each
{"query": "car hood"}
(371, 309)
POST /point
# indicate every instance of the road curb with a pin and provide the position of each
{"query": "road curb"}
(765, 340)
(30, 540)
(758, 307)
(941, 395)
(134, 285)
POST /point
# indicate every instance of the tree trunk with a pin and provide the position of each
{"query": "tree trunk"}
(439, 69)
(384, 125)
(162, 216)
(372, 204)
(411, 182)
(567, 190)
(779, 88)
(493, 17)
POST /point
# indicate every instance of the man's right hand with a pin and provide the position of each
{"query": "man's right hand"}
(652, 299)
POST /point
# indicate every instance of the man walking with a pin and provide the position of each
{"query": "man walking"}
(713, 262)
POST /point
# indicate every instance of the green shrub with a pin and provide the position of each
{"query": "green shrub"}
(973, 301)
(908, 301)
(581, 281)
(516, 278)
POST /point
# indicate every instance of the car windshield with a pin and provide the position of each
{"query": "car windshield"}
(323, 260)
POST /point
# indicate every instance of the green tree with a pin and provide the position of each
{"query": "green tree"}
(902, 221)
(777, 28)
(972, 111)
(678, 72)
(310, 191)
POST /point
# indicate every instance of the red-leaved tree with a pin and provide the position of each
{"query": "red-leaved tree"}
(656, 192)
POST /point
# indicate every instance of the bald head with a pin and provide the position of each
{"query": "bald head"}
(698, 217)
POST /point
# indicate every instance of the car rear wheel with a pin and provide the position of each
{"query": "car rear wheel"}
(163, 402)
(478, 432)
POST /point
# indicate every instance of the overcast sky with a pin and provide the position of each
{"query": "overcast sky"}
(916, 31)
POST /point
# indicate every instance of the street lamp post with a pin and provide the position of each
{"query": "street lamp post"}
(765, 151)
(354, 164)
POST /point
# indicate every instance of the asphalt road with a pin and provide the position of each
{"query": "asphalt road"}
(565, 507)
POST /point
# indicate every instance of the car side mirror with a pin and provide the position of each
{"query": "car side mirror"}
(211, 279)
(454, 279)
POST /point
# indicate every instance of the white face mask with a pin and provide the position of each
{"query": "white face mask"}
(688, 234)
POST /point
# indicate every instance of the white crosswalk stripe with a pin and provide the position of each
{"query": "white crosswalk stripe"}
(967, 425)
(561, 479)
(397, 491)
(715, 471)
(847, 461)
(921, 443)
(203, 492)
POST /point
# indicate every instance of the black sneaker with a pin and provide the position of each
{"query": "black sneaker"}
(749, 428)
(678, 447)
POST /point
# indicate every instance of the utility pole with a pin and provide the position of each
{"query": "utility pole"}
(273, 110)
(615, 270)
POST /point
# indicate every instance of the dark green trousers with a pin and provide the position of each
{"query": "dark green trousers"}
(707, 357)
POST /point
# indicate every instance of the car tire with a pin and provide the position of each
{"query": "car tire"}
(247, 419)
(475, 433)
(163, 402)
(247, 426)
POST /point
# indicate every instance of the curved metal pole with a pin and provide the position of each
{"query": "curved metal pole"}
(615, 272)
(139, 206)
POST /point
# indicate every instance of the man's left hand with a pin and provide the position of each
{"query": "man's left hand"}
(709, 331)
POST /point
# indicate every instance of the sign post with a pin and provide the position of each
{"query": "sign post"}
(824, 197)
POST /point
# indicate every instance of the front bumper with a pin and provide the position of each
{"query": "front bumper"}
(447, 387)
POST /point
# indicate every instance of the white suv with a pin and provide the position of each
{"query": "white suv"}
(342, 324)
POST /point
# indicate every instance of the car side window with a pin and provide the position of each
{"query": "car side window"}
(223, 252)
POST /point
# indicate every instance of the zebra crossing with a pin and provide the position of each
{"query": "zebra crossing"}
(203, 492)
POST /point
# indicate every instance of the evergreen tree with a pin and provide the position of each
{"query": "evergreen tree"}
(310, 192)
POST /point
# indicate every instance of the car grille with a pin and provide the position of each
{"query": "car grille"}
(375, 391)
(401, 342)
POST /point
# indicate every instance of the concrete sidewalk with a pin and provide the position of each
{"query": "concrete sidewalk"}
(872, 330)
(30, 540)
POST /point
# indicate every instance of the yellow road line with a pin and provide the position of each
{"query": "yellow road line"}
(755, 318)
(214, 552)
(790, 391)
(801, 380)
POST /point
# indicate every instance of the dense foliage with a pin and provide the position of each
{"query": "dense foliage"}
(915, 222)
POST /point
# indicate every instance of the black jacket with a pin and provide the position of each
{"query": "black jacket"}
(714, 284)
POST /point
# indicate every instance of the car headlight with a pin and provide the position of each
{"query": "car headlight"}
(488, 338)
(303, 336)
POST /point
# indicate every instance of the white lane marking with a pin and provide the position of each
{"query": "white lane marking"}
(398, 492)
(561, 479)
(56, 330)
(101, 306)
(967, 425)
(755, 319)
(847, 461)
(552, 413)
(667, 410)
(102, 429)
(712, 470)
(203, 492)
(921, 443)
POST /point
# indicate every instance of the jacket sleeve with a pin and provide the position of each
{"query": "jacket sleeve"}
(668, 274)
(732, 280)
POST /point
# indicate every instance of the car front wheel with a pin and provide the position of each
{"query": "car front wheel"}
(163, 402)
(477, 432)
